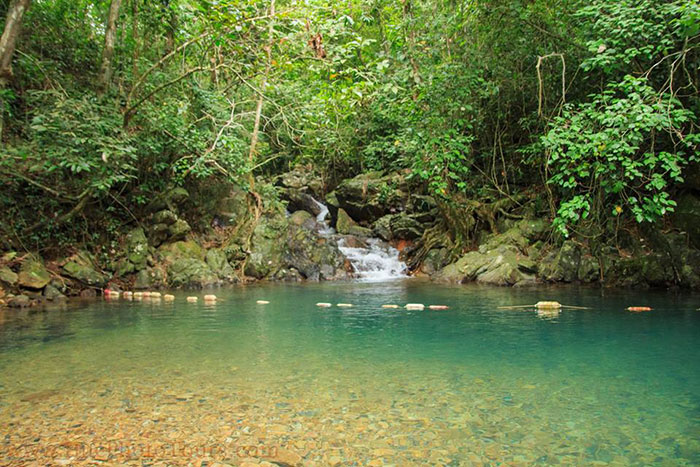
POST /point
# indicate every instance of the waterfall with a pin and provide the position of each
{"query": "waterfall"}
(374, 260)
(378, 261)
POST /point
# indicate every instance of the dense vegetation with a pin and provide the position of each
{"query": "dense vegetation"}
(582, 112)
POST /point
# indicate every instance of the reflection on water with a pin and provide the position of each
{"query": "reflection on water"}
(295, 383)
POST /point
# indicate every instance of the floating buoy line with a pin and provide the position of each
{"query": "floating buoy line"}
(156, 297)
(544, 305)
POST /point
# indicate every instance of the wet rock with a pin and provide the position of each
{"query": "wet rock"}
(8, 276)
(300, 201)
(288, 275)
(81, 268)
(19, 301)
(382, 228)
(347, 226)
(142, 281)
(33, 274)
(435, 260)
(52, 293)
(316, 258)
(88, 293)
(352, 241)
(588, 269)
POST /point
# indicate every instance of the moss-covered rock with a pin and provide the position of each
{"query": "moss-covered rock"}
(178, 230)
(302, 178)
(503, 265)
(302, 218)
(316, 258)
(191, 272)
(267, 247)
(136, 250)
(405, 227)
(434, 261)
(33, 274)
(218, 262)
(382, 228)
(370, 196)
(8, 276)
(563, 265)
(345, 225)
(81, 267)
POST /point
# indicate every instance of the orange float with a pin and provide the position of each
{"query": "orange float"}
(637, 309)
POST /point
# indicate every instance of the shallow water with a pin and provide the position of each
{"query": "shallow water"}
(289, 382)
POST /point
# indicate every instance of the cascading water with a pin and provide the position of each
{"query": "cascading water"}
(378, 261)
(374, 260)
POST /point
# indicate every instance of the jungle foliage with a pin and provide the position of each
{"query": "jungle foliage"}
(585, 112)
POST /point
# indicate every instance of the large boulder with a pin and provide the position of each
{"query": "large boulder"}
(81, 267)
(302, 178)
(345, 225)
(185, 265)
(315, 257)
(370, 196)
(562, 265)
(501, 266)
(218, 262)
(8, 276)
(382, 228)
(405, 227)
(287, 249)
(172, 200)
(267, 247)
(137, 249)
(191, 272)
(298, 200)
(33, 274)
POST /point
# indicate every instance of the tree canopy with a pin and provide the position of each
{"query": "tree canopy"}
(584, 112)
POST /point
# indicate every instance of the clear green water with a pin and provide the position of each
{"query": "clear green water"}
(470, 385)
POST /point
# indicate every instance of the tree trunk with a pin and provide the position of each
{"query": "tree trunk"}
(105, 76)
(258, 109)
(135, 38)
(170, 32)
(10, 34)
(8, 40)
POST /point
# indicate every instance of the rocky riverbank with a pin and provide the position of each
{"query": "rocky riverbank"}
(285, 241)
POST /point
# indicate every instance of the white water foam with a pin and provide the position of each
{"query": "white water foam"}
(376, 262)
